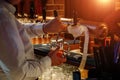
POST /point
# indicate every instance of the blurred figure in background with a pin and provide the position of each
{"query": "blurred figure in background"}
(113, 23)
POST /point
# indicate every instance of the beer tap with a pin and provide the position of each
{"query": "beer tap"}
(58, 41)
(56, 15)
(74, 18)
(43, 15)
(74, 23)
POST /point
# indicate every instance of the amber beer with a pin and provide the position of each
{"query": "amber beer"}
(39, 40)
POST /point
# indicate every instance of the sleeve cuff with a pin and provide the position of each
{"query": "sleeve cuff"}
(37, 28)
(46, 62)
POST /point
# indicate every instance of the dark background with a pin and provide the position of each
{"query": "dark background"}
(92, 10)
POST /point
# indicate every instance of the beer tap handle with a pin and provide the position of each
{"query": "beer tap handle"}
(74, 18)
(44, 15)
(74, 22)
(55, 13)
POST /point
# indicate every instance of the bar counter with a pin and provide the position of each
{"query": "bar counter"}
(66, 70)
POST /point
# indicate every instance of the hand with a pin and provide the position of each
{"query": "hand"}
(56, 57)
(54, 26)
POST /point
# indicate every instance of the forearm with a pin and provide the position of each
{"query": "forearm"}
(34, 68)
(34, 29)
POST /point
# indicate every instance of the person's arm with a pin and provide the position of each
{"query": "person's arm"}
(36, 29)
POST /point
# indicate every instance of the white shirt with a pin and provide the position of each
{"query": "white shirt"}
(16, 50)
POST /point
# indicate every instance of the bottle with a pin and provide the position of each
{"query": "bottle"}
(76, 75)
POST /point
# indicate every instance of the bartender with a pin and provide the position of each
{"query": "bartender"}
(17, 60)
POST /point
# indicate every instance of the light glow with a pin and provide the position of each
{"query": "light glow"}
(104, 1)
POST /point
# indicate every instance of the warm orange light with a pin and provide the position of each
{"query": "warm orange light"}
(104, 1)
